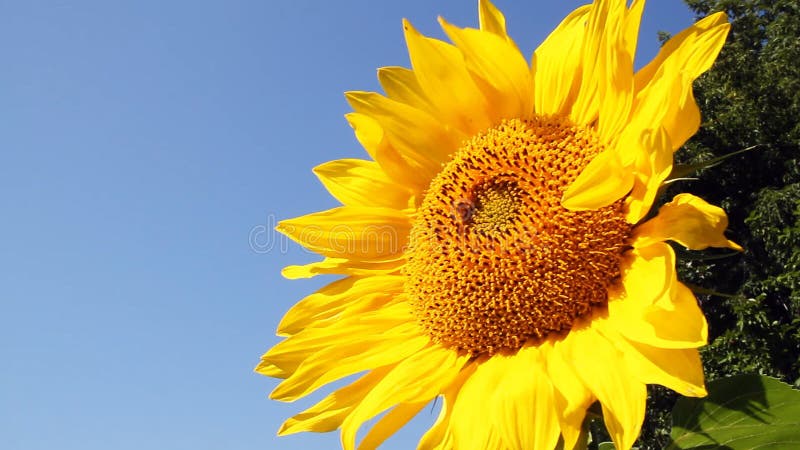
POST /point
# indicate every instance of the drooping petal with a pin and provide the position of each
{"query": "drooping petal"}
(572, 397)
(354, 182)
(649, 274)
(444, 78)
(689, 221)
(678, 369)
(498, 68)
(418, 378)
(557, 73)
(677, 320)
(363, 234)
(654, 308)
(507, 403)
(527, 403)
(620, 394)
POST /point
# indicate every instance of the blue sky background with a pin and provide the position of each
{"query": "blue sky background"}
(146, 150)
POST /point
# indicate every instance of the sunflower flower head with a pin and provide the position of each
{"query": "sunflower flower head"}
(494, 250)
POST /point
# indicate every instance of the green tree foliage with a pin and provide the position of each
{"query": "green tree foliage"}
(750, 97)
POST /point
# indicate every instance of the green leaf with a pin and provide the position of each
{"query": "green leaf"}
(741, 412)
(701, 290)
(680, 171)
(606, 446)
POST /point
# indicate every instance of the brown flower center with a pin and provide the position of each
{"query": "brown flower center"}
(494, 259)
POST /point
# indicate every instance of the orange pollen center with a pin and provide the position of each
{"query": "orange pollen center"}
(494, 259)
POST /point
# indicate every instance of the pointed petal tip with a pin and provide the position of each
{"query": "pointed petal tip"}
(291, 272)
(408, 28)
(491, 19)
(284, 429)
(280, 394)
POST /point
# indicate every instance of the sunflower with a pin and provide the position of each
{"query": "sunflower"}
(497, 251)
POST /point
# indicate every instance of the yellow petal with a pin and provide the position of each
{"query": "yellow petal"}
(401, 84)
(556, 70)
(655, 309)
(671, 74)
(284, 358)
(389, 424)
(507, 403)
(353, 342)
(677, 320)
(439, 436)
(593, 52)
(652, 155)
(689, 221)
(419, 138)
(498, 68)
(602, 182)
(363, 234)
(334, 363)
(633, 19)
(678, 369)
(649, 274)
(371, 136)
(446, 82)
(469, 421)
(597, 363)
(616, 63)
(355, 182)
(343, 266)
(336, 300)
(672, 46)
(328, 414)
(491, 19)
(572, 397)
(526, 403)
(418, 378)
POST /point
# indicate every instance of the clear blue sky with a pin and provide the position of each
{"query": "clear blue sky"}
(145, 147)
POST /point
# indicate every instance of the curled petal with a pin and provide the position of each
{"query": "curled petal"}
(689, 221)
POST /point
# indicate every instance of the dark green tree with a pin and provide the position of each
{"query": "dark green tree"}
(751, 97)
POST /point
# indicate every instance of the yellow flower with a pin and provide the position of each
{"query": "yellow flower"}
(494, 248)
